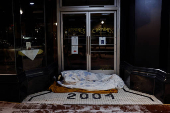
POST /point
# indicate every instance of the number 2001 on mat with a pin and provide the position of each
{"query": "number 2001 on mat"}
(86, 96)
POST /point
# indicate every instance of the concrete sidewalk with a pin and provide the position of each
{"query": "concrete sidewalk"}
(8, 107)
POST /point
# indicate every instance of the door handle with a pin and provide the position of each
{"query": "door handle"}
(87, 40)
(89, 46)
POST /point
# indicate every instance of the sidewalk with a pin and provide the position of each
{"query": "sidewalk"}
(7, 107)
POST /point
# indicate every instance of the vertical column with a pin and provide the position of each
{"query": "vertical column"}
(147, 31)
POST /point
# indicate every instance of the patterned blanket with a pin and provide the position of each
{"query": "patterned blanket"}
(90, 81)
(56, 88)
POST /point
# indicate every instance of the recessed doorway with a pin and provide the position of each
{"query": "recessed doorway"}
(89, 41)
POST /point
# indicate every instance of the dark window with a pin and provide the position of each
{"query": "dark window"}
(86, 2)
(7, 51)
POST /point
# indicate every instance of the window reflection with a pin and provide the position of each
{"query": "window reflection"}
(74, 25)
(32, 23)
(33, 30)
(39, 28)
(102, 56)
(24, 21)
(102, 61)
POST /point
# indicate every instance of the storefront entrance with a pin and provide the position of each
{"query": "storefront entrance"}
(88, 39)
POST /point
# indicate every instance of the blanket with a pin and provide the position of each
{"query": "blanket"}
(90, 81)
(56, 88)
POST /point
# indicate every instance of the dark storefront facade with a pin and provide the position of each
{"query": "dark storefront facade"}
(128, 38)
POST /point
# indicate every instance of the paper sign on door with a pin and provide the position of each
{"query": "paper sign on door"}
(74, 50)
(74, 40)
(74, 45)
(102, 40)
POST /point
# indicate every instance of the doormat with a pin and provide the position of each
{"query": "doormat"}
(124, 96)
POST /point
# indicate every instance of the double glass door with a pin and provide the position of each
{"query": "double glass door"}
(88, 41)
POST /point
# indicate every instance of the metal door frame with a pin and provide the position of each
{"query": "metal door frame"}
(115, 8)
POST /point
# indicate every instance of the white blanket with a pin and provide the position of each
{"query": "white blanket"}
(90, 81)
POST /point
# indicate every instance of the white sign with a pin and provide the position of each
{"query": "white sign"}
(74, 49)
(102, 40)
(74, 40)
(28, 45)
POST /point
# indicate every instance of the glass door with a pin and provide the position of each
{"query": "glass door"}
(74, 41)
(88, 41)
(102, 42)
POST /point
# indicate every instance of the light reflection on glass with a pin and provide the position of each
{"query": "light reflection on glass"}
(31, 3)
(21, 12)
